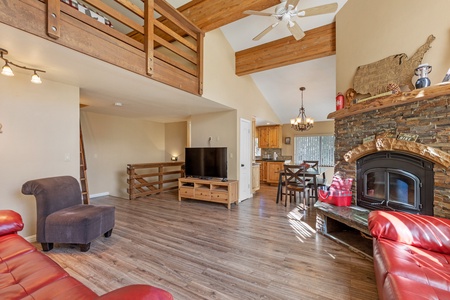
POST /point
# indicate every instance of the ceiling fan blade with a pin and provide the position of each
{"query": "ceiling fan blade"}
(265, 31)
(292, 3)
(257, 13)
(318, 10)
(295, 29)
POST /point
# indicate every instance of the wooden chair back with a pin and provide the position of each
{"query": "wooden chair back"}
(314, 164)
(294, 176)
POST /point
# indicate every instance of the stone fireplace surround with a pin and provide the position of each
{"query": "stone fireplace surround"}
(425, 112)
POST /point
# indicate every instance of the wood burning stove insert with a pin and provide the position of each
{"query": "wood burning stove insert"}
(395, 181)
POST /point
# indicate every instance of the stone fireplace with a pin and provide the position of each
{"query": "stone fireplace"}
(385, 183)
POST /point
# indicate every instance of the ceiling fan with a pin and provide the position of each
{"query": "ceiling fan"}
(287, 11)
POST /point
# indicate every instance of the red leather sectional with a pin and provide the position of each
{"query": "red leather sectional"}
(411, 255)
(26, 273)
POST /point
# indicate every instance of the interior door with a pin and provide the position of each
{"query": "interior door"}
(245, 160)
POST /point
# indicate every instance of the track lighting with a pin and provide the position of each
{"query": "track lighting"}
(7, 71)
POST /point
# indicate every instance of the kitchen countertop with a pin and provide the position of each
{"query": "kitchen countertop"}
(271, 160)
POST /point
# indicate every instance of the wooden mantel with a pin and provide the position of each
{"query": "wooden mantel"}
(392, 100)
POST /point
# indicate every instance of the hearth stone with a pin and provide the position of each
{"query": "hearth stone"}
(346, 225)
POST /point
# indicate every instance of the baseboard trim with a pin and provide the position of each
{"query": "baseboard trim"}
(99, 195)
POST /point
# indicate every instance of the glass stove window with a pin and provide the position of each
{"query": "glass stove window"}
(375, 183)
(401, 189)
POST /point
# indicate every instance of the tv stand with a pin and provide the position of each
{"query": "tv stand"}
(211, 190)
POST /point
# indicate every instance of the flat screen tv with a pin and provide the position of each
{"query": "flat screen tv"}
(207, 162)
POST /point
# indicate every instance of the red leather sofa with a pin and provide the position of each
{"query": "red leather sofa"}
(26, 273)
(411, 255)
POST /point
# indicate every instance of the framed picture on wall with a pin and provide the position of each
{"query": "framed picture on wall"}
(287, 140)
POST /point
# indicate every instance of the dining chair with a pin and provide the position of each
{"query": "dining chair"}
(294, 176)
(314, 164)
(321, 181)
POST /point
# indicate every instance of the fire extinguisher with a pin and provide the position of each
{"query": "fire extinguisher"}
(339, 101)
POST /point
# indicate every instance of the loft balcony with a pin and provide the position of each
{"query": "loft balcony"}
(155, 40)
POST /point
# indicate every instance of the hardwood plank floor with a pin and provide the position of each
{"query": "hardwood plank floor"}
(200, 250)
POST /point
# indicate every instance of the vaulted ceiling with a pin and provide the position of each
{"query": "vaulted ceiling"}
(212, 14)
(278, 64)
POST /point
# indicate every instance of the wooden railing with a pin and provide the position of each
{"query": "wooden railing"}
(153, 178)
(173, 46)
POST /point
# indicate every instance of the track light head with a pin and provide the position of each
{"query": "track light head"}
(35, 78)
(6, 70)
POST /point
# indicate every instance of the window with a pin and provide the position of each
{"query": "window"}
(257, 149)
(319, 148)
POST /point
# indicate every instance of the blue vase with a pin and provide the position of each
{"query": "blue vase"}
(422, 71)
(423, 82)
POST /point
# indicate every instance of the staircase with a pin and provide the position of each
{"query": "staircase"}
(83, 175)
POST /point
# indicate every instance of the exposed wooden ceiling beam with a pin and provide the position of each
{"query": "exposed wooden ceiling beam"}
(318, 42)
(211, 14)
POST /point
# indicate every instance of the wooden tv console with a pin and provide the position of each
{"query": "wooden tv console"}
(213, 190)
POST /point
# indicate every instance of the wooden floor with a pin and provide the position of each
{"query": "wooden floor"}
(200, 250)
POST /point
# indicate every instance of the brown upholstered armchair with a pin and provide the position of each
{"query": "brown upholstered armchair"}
(61, 216)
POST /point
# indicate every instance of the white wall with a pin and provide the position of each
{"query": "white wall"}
(367, 31)
(40, 139)
(113, 142)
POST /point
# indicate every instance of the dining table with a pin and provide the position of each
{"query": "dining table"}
(311, 173)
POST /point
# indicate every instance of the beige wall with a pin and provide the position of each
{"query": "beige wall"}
(367, 31)
(320, 128)
(222, 85)
(221, 127)
(175, 140)
(113, 142)
(40, 139)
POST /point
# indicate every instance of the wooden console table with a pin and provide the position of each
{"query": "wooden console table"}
(346, 225)
(213, 190)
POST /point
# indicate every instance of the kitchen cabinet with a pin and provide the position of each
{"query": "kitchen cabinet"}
(262, 170)
(273, 171)
(269, 136)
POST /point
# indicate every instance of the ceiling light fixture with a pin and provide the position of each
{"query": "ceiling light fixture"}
(7, 71)
(302, 122)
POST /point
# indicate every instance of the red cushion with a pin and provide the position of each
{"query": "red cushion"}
(397, 287)
(60, 289)
(33, 270)
(422, 266)
(10, 222)
(425, 232)
(13, 245)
